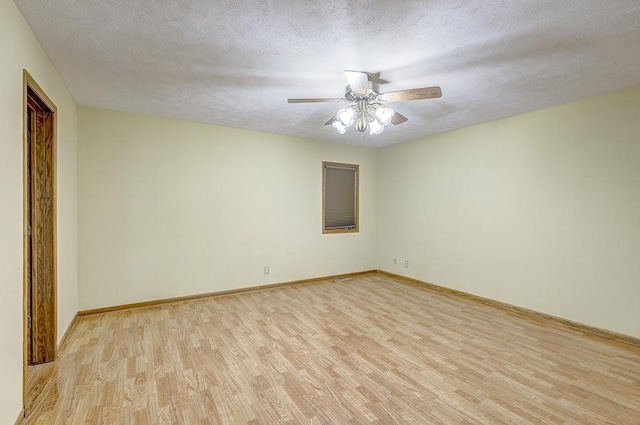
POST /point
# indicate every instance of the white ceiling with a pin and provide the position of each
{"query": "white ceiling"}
(235, 62)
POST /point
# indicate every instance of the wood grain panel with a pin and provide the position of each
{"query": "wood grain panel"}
(42, 219)
(28, 248)
(363, 350)
(39, 383)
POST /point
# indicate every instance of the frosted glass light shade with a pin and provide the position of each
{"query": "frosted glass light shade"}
(345, 116)
(384, 114)
(375, 127)
(339, 126)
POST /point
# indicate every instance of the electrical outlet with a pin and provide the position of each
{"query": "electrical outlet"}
(406, 263)
(395, 261)
(266, 270)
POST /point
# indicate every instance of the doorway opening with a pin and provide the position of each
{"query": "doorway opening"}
(39, 241)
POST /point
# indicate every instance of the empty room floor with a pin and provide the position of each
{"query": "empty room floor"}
(363, 350)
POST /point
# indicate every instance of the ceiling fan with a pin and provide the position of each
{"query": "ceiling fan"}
(368, 110)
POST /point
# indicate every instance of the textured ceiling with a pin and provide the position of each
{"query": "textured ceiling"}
(235, 62)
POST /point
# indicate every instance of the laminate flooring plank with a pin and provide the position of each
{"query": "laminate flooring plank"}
(370, 350)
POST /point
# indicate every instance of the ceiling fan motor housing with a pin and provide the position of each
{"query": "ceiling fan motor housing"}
(372, 93)
(363, 122)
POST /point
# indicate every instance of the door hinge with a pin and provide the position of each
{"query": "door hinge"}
(28, 322)
(28, 230)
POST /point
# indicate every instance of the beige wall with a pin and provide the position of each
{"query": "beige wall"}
(540, 210)
(18, 50)
(170, 208)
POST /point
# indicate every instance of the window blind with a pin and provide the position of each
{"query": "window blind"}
(340, 196)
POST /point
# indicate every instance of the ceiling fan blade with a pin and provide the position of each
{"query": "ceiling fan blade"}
(398, 118)
(412, 94)
(358, 81)
(331, 120)
(328, 99)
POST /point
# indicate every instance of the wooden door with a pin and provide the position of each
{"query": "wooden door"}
(40, 258)
(28, 269)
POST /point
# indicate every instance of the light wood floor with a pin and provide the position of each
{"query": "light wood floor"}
(370, 350)
(39, 383)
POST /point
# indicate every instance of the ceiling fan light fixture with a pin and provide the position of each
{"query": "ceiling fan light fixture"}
(345, 116)
(384, 114)
(368, 110)
(339, 126)
(375, 127)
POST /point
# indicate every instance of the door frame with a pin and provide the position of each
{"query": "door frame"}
(30, 83)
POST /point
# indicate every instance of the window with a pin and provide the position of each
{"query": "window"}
(339, 198)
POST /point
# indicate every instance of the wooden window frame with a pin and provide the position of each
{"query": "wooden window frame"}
(356, 227)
